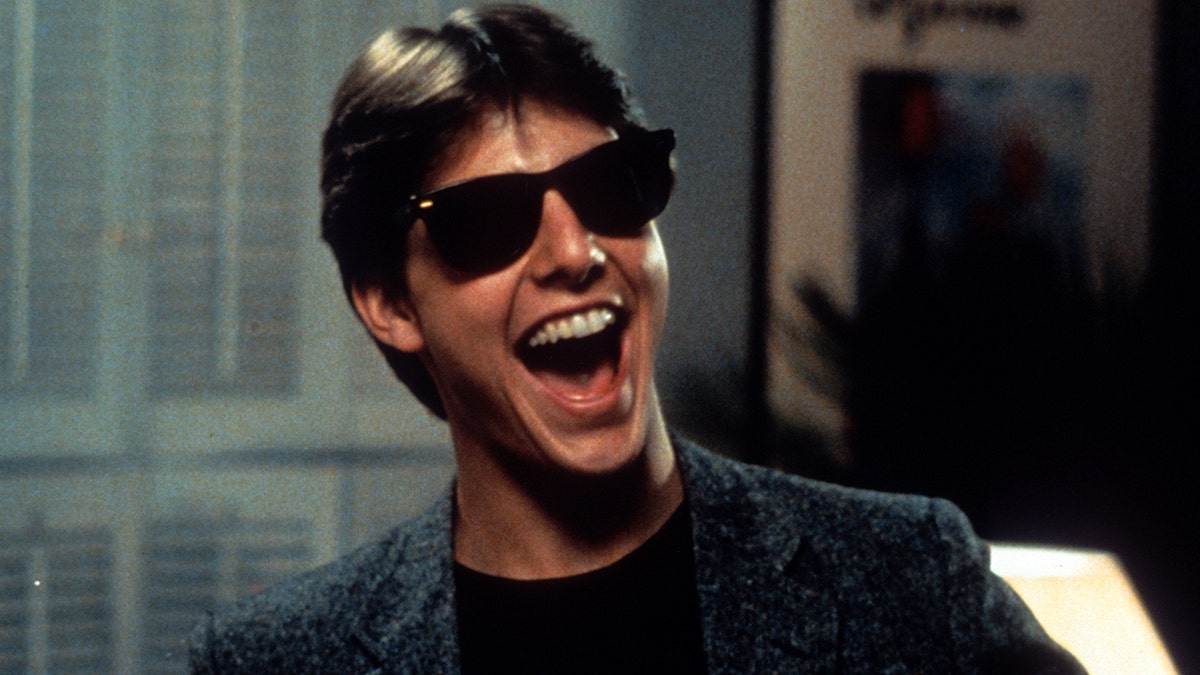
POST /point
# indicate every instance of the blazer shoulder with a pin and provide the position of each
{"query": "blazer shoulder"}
(907, 573)
(854, 539)
(815, 507)
(313, 618)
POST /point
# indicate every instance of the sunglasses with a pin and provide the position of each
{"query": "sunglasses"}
(485, 224)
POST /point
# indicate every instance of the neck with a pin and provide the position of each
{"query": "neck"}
(529, 523)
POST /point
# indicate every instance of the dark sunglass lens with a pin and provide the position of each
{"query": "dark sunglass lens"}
(621, 186)
(651, 166)
(485, 224)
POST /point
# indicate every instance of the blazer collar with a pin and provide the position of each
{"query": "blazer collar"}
(767, 600)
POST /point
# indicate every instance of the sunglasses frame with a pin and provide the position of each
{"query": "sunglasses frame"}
(642, 184)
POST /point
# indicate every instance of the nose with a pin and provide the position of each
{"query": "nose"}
(564, 251)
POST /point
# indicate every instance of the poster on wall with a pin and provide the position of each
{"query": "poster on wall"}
(950, 181)
(952, 168)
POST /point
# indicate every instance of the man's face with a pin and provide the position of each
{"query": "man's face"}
(585, 401)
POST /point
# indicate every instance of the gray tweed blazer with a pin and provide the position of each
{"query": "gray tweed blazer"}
(794, 576)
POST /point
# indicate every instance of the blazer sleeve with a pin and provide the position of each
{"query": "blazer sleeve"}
(991, 628)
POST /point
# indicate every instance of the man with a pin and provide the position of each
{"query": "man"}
(489, 195)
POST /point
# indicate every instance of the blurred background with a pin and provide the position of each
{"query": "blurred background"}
(188, 410)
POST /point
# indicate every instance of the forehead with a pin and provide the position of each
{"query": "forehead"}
(530, 138)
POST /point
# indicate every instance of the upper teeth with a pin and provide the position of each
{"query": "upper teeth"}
(578, 325)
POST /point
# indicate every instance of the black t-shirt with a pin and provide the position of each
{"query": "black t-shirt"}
(639, 615)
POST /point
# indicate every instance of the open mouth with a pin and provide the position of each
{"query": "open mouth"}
(577, 357)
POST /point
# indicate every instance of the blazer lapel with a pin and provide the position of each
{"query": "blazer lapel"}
(766, 599)
(408, 624)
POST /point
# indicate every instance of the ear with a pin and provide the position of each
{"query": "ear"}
(392, 321)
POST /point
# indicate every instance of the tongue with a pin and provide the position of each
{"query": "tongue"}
(577, 380)
(576, 369)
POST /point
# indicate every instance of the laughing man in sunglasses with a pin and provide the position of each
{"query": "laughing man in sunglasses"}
(490, 195)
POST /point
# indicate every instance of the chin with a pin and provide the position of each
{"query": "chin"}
(597, 452)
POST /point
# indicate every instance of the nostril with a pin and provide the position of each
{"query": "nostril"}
(596, 261)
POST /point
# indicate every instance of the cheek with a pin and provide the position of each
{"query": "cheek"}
(456, 312)
(465, 344)
(464, 323)
(468, 318)
(654, 271)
